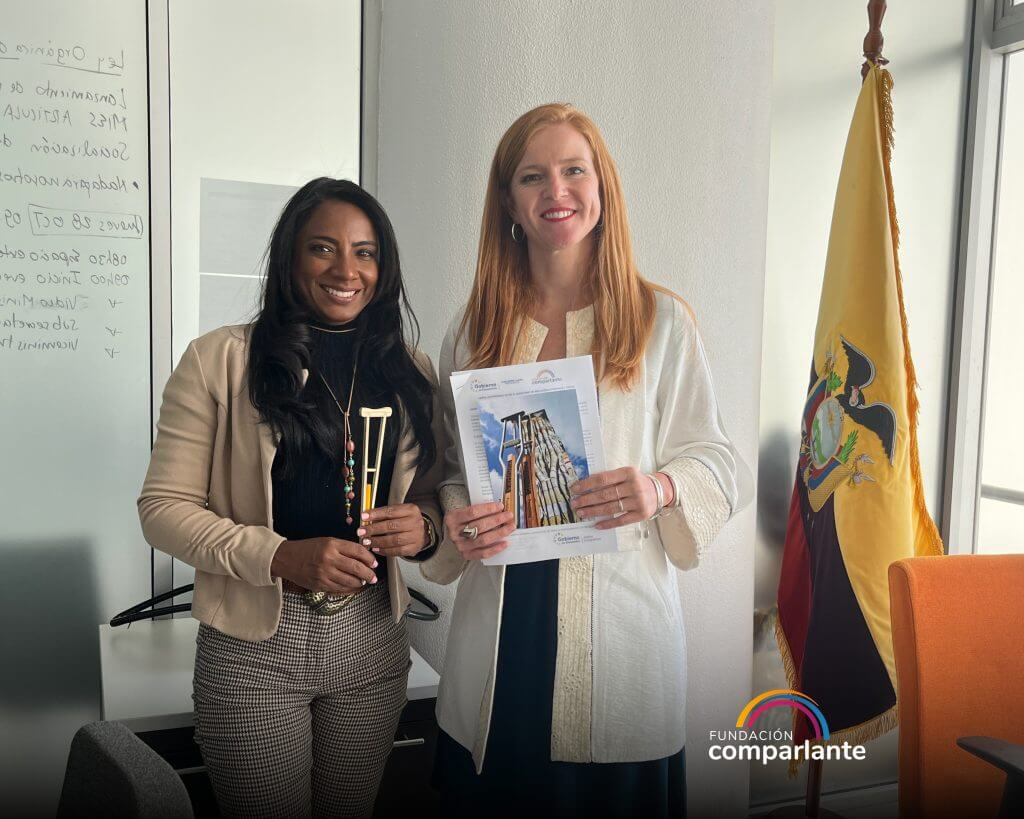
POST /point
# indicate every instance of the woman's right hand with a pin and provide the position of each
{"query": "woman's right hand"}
(493, 525)
(325, 564)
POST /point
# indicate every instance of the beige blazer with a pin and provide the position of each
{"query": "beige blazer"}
(207, 499)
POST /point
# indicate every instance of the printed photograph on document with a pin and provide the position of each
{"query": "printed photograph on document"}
(535, 454)
(528, 433)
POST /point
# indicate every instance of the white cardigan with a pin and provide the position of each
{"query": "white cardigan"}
(620, 671)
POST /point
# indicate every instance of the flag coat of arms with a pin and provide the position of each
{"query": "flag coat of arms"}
(857, 503)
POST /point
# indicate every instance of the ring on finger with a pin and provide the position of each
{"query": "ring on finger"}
(470, 532)
(621, 507)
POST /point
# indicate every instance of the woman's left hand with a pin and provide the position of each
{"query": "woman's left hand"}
(625, 490)
(393, 530)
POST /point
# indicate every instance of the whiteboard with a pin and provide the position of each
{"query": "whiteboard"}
(74, 281)
(75, 399)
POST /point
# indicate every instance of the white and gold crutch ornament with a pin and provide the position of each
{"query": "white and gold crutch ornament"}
(370, 487)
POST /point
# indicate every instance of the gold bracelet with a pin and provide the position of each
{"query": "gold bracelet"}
(430, 531)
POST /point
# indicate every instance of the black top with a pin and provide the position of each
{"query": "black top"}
(310, 502)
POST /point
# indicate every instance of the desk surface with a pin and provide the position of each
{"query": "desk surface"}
(146, 671)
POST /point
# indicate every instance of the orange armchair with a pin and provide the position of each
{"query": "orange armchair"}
(958, 639)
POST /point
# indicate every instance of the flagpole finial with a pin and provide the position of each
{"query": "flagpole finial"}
(874, 41)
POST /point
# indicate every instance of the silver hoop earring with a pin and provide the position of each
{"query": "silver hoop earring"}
(522, 233)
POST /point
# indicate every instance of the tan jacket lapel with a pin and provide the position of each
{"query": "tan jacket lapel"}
(405, 468)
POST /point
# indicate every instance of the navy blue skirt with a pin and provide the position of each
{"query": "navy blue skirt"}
(519, 777)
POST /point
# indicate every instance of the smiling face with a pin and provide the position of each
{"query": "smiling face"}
(335, 265)
(555, 192)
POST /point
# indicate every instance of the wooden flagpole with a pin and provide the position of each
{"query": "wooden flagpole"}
(874, 41)
(873, 44)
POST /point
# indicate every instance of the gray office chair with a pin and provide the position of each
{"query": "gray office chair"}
(1009, 758)
(112, 773)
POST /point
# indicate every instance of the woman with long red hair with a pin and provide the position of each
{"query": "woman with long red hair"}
(563, 690)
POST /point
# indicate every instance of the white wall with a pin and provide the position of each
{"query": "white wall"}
(261, 92)
(682, 96)
(816, 79)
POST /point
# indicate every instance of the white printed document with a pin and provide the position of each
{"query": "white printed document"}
(528, 434)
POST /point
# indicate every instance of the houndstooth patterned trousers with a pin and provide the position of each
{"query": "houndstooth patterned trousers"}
(301, 724)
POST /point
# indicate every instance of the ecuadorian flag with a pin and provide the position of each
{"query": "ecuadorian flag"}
(857, 504)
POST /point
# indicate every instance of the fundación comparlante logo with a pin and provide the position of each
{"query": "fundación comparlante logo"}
(746, 742)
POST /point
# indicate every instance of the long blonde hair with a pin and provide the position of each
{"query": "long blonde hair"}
(623, 300)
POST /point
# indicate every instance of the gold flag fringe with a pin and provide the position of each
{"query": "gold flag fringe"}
(792, 678)
(787, 658)
(925, 529)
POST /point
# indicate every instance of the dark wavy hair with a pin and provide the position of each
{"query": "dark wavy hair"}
(279, 344)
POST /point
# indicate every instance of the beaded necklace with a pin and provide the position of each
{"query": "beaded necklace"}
(348, 471)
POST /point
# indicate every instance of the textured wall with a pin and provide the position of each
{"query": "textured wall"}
(682, 96)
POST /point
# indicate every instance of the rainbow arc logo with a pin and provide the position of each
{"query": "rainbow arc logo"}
(785, 698)
(745, 742)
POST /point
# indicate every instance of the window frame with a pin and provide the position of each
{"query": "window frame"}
(997, 30)
(1008, 26)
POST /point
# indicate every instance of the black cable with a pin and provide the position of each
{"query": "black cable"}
(433, 611)
(138, 611)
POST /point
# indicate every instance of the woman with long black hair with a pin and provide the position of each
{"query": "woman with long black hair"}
(264, 477)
